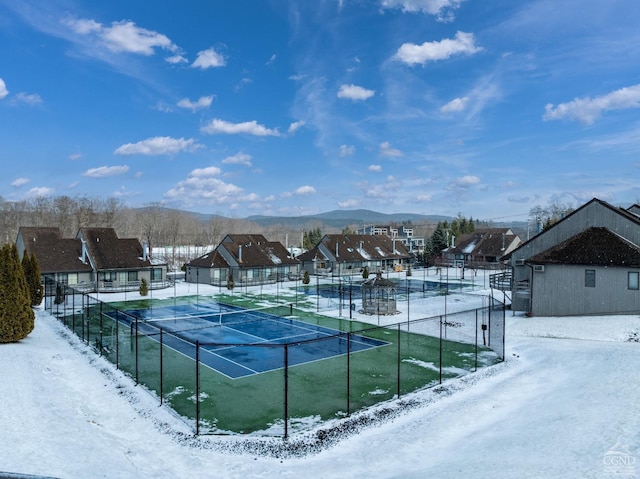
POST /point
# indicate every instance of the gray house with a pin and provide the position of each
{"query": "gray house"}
(58, 258)
(95, 260)
(249, 259)
(350, 254)
(587, 263)
(482, 248)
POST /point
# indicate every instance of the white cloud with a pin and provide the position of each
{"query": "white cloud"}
(425, 198)
(587, 110)
(305, 190)
(209, 59)
(455, 105)
(3, 89)
(349, 203)
(205, 172)
(83, 26)
(202, 186)
(123, 36)
(238, 159)
(159, 145)
(104, 171)
(467, 181)
(412, 54)
(216, 126)
(175, 59)
(20, 182)
(296, 125)
(26, 98)
(442, 9)
(387, 151)
(347, 150)
(355, 93)
(200, 103)
(376, 168)
(39, 191)
(75, 156)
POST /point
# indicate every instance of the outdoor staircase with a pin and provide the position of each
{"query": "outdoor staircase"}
(502, 282)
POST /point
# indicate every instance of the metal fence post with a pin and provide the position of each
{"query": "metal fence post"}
(161, 371)
(117, 341)
(101, 328)
(136, 343)
(349, 372)
(398, 360)
(197, 387)
(476, 345)
(286, 391)
(440, 349)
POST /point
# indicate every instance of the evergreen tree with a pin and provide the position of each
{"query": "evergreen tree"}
(230, 282)
(311, 238)
(144, 287)
(365, 272)
(16, 316)
(440, 238)
(31, 270)
(306, 279)
(59, 294)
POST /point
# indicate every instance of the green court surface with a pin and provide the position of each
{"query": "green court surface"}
(414, 356)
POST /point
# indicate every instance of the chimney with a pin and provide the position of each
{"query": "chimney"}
(83, 258)
(453, 241)
(337, 254)
(240, 254)
(145, 251)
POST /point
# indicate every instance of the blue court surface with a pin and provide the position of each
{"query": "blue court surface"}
(239, 343)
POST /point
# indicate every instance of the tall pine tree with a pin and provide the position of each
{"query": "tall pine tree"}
(31, 270)
(16, 315)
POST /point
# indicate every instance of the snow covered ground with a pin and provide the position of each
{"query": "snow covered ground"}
(565, 403)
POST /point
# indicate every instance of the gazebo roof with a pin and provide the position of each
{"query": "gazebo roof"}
(379, 282)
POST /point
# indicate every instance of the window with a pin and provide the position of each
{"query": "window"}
(107, 276)
(633, 280)
(132, 276)
(156, 274)
(590, 278)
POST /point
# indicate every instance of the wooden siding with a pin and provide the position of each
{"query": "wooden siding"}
(560, 291)
(593, 213)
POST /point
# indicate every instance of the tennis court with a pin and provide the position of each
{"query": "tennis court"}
(222, 330)
(240, 367)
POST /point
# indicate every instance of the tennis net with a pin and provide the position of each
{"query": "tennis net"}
(202, 320)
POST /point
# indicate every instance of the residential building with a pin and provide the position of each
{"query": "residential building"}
(586, 263)
(95, 260)
(483, 248)
(349, 254)
(248, 259)
(403, 233)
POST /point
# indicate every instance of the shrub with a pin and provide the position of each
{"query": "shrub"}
(16, 316)
(144, 287)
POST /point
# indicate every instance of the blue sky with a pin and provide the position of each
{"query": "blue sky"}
(486, 108)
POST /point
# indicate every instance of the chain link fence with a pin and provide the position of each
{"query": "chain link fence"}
(294, 392)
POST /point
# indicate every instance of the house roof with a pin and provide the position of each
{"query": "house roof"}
(485, 242)
(54, 253)
(352, 248)
(110, 252)
(620, 211)
(211, 259)
(595, 246)
(247, 251)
